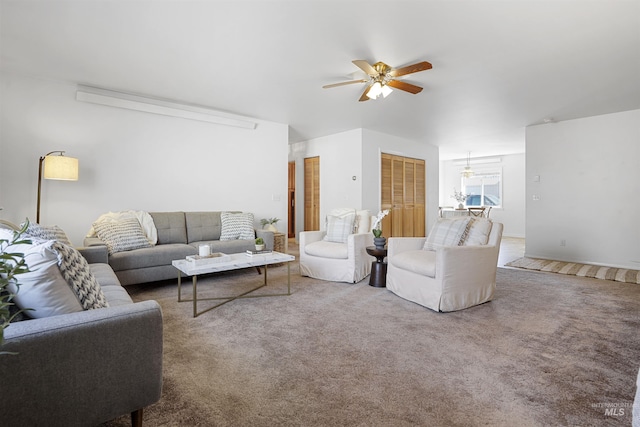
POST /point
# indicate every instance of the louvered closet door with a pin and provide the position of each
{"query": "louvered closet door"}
(312, 194)
(403, 191)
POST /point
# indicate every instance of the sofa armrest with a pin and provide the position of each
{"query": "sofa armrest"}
(95, 254)
(267, 236)
(395, 245)
(82, 368)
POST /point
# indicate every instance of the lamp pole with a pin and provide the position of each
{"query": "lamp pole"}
(40, 181)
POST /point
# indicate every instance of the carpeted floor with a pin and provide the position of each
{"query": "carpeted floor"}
(577, 269)
(548, 350)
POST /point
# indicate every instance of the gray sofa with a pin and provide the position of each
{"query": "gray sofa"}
(179, 234)
(84, 368)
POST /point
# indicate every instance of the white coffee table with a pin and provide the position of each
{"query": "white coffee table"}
(230, 262)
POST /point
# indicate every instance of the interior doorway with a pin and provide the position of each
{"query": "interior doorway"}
(312, 193)
(291, 215)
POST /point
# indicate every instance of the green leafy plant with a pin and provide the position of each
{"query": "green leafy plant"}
(259, 241)
(265, 221)
(12, 264)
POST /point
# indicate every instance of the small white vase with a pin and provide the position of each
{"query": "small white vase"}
(259, 247)
(271, 227)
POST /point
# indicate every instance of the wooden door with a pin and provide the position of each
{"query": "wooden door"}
(291, 215)
(312, 194)
(403, 191)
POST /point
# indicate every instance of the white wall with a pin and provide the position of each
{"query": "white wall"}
(375, 143)
(340, 161)
(131, 160)
(512, 212)
(589, 184)
(357, 153)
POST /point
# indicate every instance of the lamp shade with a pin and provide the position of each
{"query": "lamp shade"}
(61, 168)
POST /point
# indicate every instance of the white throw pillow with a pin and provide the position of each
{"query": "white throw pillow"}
(237, 226)
(123, 235)
(363, 222)
(477, 233)
(339, 227)
(446, 232)
(43, 289)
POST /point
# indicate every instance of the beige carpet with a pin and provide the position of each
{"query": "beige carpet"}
(576, 269)
(549, 350)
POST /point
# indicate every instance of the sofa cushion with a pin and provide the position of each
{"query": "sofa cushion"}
(226, 246)
(477, 232)
(446, 232)
(203, 226)
(171, 227)
(158, 255)
(51, 232)
(325, 249)
(420, 262)
(237, 226)
(114, 293)
(123, 235)
(43, 289)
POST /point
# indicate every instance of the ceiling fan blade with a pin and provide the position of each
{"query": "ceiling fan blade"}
(344, 83)
(364, 96)
(366, 67)
(407, 87)
(420, 66)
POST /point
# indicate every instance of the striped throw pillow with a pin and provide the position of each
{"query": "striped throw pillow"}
(446, 232)
(123, 235)
(75, 270)
(237, 226)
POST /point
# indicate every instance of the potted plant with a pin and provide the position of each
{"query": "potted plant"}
(11, 265)
(259, 244)
(269, 224)
(376, 229)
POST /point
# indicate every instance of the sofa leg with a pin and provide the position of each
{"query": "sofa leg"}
(136, 418)
(258, 268)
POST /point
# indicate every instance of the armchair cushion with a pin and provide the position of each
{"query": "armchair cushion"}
(52, 232)
(420, 262)
(477, 233)
(339, 227)
(446, 232)
(326, 249)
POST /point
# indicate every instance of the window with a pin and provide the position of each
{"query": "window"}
(484, 188)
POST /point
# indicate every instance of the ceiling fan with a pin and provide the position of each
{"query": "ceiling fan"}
(382, 78)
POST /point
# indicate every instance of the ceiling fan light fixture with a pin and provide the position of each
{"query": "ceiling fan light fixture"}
(386, 90)
(375, 91)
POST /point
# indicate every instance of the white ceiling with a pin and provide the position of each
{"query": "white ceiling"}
(498, 66)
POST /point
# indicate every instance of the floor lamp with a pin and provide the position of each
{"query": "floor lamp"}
(58, 168)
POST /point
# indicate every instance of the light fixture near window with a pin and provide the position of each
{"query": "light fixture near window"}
(468, 172)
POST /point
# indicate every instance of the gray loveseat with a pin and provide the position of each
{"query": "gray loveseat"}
(83, 368)
(179, 234)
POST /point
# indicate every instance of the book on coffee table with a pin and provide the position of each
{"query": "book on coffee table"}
(252, 252)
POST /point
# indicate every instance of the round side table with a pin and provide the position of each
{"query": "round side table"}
(378, 276)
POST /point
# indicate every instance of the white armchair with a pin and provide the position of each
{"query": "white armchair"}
(338, 261)
(448, 278)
